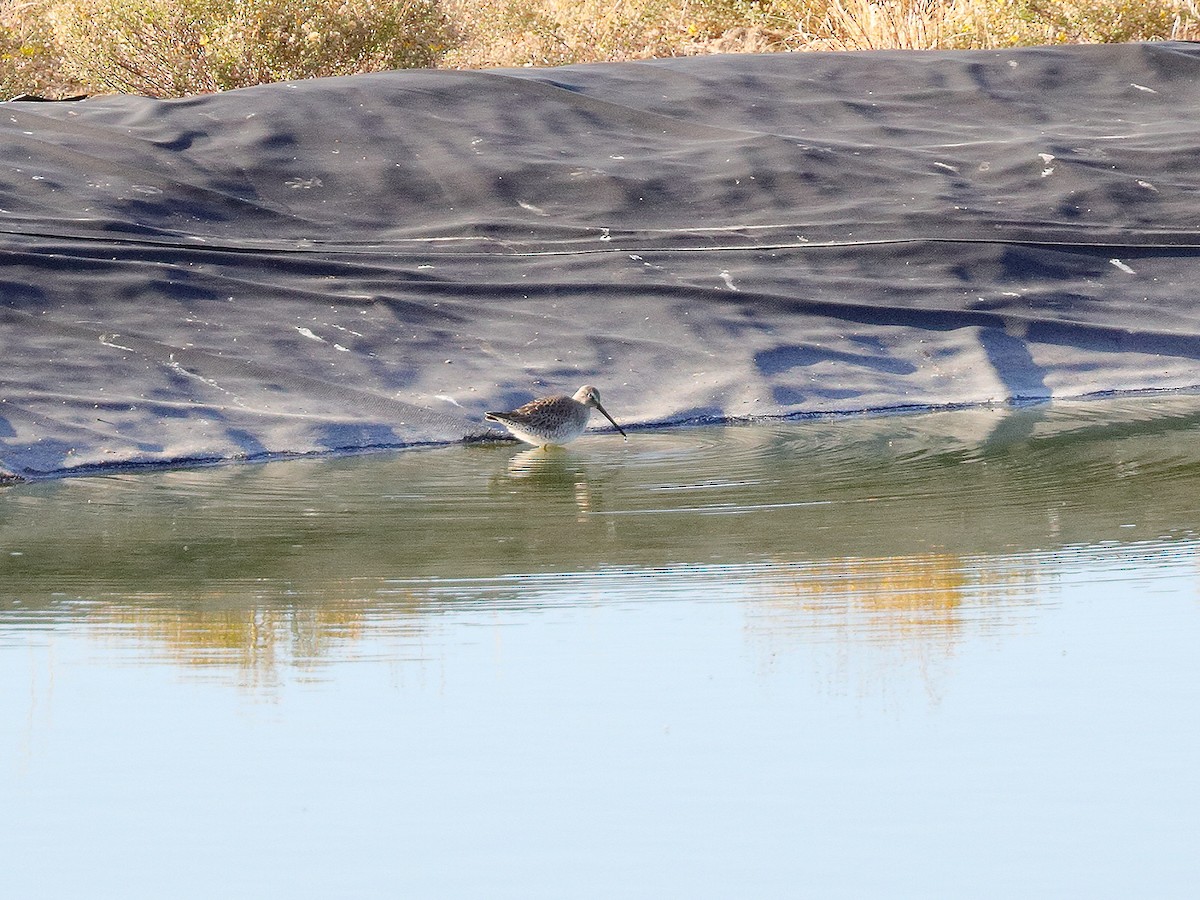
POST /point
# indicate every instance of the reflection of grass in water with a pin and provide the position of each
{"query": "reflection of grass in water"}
(221, 631)
(899, 610)
(898, 594)
(171, 47)
(884, 615)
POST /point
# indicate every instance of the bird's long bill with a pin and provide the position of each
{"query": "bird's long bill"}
(604, 412)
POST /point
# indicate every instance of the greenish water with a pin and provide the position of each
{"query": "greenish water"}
(940, 655)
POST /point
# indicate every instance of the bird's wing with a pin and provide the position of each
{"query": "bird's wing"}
(530, 409)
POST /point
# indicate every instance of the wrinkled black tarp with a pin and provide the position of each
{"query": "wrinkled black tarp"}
(376, 260)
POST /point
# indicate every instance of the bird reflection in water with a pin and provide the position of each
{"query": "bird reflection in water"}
(550, 473)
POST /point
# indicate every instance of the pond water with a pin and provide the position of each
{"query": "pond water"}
(940, 655)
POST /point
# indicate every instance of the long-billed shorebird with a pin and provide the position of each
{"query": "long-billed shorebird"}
(553, 420)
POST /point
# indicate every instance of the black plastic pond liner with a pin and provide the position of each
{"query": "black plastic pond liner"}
(376, 260)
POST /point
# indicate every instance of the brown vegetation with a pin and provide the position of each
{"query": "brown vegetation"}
(173, 47)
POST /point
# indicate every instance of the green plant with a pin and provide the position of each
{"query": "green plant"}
(173, 47)
(30, 60)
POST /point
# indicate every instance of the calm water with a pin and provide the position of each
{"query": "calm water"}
(948, 655)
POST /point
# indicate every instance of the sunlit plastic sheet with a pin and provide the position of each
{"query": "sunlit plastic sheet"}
(377, 260)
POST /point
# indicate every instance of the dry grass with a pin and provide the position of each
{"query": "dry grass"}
(174, 47)
(558, 32)
(986, 24)
(551, 32)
